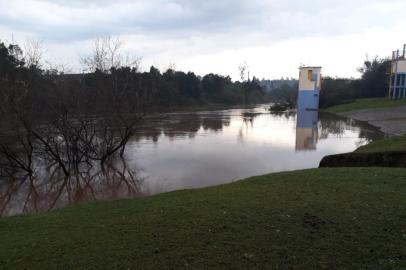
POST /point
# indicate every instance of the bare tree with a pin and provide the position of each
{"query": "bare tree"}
(243, 68)
(57, 68)
(66, 122)
(33, 52)
(73, 134)
(107, 54)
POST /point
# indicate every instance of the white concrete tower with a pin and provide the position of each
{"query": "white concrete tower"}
(309, 88)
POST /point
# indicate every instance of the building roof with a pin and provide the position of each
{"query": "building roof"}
(309, 67)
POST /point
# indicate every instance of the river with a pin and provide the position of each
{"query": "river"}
(197, 149)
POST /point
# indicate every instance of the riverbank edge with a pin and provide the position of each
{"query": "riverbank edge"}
(366, 103)
(387, 115)
(388, 152)
(390, 121)
(374, 159)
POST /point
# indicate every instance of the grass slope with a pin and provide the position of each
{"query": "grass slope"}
(313, 219)
(367, 103)
(390, 144)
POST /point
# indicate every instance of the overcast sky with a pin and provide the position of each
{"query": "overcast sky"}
(273, 36)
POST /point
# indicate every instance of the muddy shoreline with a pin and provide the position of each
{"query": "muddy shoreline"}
(391, 121)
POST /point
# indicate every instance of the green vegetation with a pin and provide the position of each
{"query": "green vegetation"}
(281, 106)
(367, 103)
(287, 92)
(372, 84)
(161, 89)
(312, 219)
(390, 144)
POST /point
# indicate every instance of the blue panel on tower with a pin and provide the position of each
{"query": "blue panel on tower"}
(308, 100)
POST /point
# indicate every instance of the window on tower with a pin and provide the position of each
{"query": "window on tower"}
(310, 75)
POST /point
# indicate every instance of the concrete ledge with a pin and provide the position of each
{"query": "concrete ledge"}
(379, 159)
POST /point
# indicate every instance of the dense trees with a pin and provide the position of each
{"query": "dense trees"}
(213, 87)
(284, 93)
(375, 78)
(374, 82)
(108, 68)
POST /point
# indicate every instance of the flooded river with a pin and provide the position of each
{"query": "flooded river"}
(197, 149)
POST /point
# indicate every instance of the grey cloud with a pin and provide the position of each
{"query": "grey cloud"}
(179, 29)
(274, 19)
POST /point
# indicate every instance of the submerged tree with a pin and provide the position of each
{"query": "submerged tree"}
(65, 120)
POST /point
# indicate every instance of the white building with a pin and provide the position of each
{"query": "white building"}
(397, 86)
(309, 88)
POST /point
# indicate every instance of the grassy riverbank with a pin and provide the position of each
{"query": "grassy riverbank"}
(312, 219)
(385, 145)
(367, 103)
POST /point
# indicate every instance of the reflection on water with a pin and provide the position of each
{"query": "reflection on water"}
(196, 149)
(39, 193)
(307, 133)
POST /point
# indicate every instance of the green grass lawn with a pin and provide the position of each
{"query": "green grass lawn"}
(313, 219)
(390, 144)
(367, 103)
